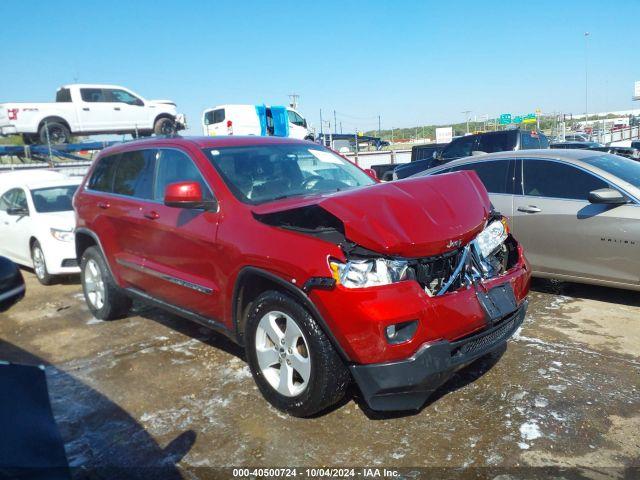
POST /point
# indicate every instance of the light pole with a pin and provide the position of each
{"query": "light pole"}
(586, 77)
(467, 112)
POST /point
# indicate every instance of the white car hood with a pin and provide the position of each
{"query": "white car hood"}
(60, 220)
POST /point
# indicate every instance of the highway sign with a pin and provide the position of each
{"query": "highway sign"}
(505, 119)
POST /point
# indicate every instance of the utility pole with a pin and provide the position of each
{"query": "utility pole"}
(335, 123)
(293, 100)
(340, 126)
(467, 112)
(321, 124)
(586, 77)
(378, 126)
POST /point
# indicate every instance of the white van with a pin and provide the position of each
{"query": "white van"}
(261, 120)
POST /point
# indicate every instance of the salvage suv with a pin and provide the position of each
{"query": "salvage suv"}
(324, 275)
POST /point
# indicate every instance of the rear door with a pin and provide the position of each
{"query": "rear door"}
(563, 233)
(214, 122)
(95, 112)
(297, 125)
(180, 251)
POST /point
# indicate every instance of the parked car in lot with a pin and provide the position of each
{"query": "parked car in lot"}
(583, 145)
(261, 120)
(12, 287)
(274, 242)
(577, 137)
(37, 221)
(576, 212)
(477, 144)
(89, 109)
(629, 152)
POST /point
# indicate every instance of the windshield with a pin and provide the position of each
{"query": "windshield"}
(261, 173)
(623, 168)
(53, 199)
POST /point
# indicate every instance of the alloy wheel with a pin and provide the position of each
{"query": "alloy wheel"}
(94, 284)
(39, 265)
(282, 352)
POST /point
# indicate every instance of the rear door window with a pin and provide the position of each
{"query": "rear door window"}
(497, 142)
(63, 95)
(460, 147)
(134, 174)
(543, 178)
(102, 177)
(176, 166)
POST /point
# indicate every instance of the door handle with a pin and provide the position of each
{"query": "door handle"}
(116, 108)
(86, 109)
(152, 215)
(529, 209)
(103, 205)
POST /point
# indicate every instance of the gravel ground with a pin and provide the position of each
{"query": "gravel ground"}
(156, 390)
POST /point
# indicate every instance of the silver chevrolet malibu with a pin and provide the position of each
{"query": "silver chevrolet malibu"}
(576, 212)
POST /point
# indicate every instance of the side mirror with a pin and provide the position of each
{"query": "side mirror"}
(607, 196)
(372, 173)
(304, 123)
(12, 286)
(186, 195)
(18, 212)
(138, 103)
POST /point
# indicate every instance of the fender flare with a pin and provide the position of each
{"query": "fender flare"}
(296, 292)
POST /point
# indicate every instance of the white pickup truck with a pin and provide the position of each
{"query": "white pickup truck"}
(82, 109)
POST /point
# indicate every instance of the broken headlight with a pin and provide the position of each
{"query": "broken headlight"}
(492, 237)
(368, 273)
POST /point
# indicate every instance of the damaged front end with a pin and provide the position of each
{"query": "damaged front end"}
(492, 253)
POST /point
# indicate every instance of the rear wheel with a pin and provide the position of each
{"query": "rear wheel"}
(105, 299)
(164, 126)
(40, 265)
(292, 361)
(54, 133)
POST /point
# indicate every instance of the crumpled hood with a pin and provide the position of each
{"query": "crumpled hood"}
(417, 217)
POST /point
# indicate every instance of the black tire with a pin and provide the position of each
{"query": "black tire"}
(58, 133)
(164, 126)
(115, 303)
(328, 379)
(40, 268)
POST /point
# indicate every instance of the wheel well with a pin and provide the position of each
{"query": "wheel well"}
(53, 119)
(163, 115)
(251, 282)
(250, 286)
(83, 241)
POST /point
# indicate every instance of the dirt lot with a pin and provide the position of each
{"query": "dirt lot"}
(153, 389)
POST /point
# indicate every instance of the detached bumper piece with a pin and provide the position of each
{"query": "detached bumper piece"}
(406, 384)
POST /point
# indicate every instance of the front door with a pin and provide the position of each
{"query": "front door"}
(562, 233)
(15, 226)
(130, 112)
(180, 253)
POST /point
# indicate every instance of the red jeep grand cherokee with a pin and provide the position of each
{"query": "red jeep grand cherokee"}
(323, 274)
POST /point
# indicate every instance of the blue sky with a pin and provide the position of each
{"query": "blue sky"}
(412, 62)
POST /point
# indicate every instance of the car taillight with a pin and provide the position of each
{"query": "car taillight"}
(12, 113)
(229, 124)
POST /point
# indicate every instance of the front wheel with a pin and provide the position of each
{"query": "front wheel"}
(291, 359)
(164, 126)
(40, 265)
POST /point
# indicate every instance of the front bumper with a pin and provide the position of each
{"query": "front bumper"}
(406, 384)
